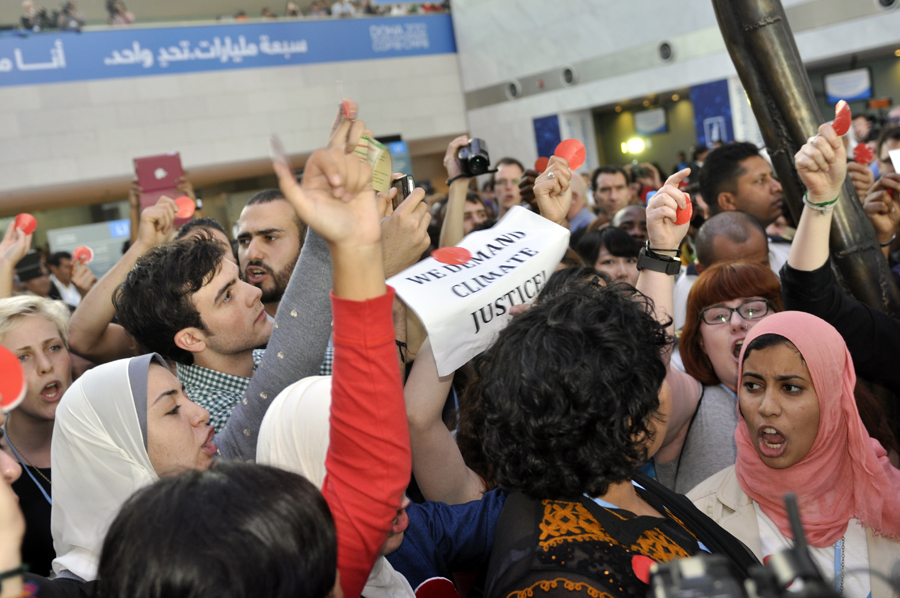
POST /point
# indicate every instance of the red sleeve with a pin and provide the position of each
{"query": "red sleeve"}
(368, 461)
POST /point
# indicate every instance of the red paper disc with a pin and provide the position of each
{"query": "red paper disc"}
(842, 118)
(863, 154)
(436, 587)
(683, 216)
(26, 223)
(454, 256)
(541, 164)
(641, 564)
(83, 254)
(573, 152)
(345, 107)
(12, 380)
(186, 207)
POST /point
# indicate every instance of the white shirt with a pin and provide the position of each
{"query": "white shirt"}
(855, 549)
(68, 293)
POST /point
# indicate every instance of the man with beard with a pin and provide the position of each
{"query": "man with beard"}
(270, 236)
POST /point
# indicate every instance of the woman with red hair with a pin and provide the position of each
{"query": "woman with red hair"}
(727, 300)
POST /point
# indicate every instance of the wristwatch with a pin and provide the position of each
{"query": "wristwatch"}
(650, 260)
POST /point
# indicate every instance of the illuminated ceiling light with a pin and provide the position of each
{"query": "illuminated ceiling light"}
(646, 103)
(618, 108)
(675, 97)
(636, 145)
(897, 53)
(624, 147)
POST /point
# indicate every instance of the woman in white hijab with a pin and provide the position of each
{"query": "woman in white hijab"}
(105, 430)
(441, 539)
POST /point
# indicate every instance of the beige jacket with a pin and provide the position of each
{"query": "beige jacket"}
(724, 501)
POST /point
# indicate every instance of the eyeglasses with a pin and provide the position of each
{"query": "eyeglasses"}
(750, 310)
(505, 182)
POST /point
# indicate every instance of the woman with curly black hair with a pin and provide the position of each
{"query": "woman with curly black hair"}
(575, 403)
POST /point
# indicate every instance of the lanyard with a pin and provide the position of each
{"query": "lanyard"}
(25, 467)
(839, 567)
(729, 391)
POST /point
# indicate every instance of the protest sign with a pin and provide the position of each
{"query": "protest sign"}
(463, 307)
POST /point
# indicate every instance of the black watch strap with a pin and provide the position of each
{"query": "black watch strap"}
(650, 260)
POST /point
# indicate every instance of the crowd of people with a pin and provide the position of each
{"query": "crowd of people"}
(67, 17)
(263, 416)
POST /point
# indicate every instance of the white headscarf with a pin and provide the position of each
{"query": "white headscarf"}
(99, 457)
(294, 436)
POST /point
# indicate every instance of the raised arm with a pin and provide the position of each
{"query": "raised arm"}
(822, 166)
(665, 238)
(368, 460)
(452, 228)
(807, 283)
(13, 248)
(91, 331)
(440, 471)
(880, 204)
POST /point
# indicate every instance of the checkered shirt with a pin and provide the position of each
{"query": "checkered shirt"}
(215, 391)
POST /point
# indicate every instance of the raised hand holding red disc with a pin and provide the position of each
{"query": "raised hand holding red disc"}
(572, 151)
(842, 118)
(26, 223)
(541, 164)
(863, 154)
(83, 254)
(186, 207)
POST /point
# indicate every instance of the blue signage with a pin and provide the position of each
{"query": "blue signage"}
(54, 57)
(712, 113)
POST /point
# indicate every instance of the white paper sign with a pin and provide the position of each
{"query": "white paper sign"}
(895, 159)
(464, 307)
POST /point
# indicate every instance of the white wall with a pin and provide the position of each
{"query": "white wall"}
(613, 44)
(75, 132)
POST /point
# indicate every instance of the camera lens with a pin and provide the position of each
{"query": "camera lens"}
(478, 165)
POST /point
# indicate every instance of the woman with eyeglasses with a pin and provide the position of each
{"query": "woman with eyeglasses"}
(727, 300)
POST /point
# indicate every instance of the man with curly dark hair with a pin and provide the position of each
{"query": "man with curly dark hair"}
(575, 403)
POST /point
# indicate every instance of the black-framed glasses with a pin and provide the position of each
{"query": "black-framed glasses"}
(749, 310)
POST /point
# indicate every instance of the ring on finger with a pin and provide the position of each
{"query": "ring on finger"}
(551, 175)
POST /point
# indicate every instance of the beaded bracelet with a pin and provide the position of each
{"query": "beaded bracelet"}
(825, 206)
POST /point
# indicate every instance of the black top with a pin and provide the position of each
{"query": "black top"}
(569, 548)
(872, 336)
(37, 546)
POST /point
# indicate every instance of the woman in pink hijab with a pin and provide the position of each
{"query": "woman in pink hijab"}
(799, 431)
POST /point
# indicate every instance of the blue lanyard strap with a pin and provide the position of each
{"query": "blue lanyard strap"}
(25, 467)
(838, 569)
(729, 391)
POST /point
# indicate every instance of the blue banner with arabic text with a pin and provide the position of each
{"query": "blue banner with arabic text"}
(55, 57)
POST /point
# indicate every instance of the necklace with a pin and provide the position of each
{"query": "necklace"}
(24, 458)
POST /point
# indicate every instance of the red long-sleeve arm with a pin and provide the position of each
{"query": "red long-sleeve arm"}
(368, 461)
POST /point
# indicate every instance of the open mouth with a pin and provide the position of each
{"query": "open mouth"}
(771, 442)
(736, 351)
(209, 447)
(256, 273)
(52, 391)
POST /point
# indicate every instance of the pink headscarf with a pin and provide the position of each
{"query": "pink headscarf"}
(846, 474)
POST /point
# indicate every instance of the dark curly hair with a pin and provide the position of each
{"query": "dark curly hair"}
(199, 530)
(154, 302)
(568, 391)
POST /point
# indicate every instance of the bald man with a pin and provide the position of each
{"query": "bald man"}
(726, 237)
